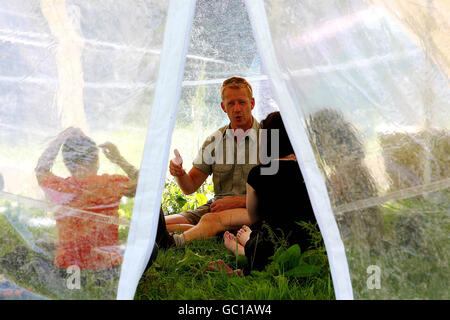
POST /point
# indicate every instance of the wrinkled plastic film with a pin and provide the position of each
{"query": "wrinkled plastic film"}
(316, 188)
(375, 106)
(368, 83)
(152, 175)
(79, 64)
(426, 24)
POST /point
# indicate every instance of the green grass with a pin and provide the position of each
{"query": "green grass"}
(179, 273)
(414, 257)
(8, 236)
(35, 271)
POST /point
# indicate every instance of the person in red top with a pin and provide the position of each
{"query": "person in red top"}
(87, 221)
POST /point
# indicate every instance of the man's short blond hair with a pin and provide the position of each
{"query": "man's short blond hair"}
(237, 83)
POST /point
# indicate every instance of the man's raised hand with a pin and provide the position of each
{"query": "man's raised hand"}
(178, 159)
(176, 165)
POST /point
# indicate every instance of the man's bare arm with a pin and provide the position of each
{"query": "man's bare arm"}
(190, 182)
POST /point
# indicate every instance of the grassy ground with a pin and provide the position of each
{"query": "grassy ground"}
(179, 273)
(414, 257)
(30, 264)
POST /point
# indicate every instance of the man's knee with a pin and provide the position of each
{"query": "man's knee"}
(211, 221)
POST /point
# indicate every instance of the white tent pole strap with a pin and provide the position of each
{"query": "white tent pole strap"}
(144, 221)
(313, 179)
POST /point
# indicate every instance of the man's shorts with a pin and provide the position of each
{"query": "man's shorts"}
(193, 216)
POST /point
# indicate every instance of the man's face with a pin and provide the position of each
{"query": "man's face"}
(238, 106)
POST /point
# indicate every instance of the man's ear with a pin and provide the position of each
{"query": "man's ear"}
(223, 107)
(253, 103)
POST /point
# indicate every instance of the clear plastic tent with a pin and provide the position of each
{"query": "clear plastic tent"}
(371, 93)
(362, 87)
(71, 64)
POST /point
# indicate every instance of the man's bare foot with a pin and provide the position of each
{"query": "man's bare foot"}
(243, 235)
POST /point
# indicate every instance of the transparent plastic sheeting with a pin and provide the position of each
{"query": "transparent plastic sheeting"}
(220, 45)
(92, 65)
(365, 82)
(374, 100)
(315, 185)
(152, 176)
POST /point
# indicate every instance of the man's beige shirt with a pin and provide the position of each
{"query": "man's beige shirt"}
(229, 169)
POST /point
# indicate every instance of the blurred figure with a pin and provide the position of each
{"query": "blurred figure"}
(84, 240)
(340, 154)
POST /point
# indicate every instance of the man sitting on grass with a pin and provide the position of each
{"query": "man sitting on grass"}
(227, 209)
